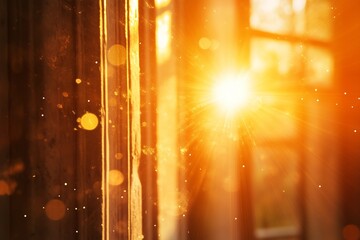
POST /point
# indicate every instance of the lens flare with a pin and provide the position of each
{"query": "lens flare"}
(55, 209)
(89, 121)
(116, 177)
(117, 55)
(232, 92)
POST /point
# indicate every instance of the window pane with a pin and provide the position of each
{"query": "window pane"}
(163, 36)
(319, 67)
(318, 17)
(275, 179)
(277, 16)
(300, 17)
(275, 64)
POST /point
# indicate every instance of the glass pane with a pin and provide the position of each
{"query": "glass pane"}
(277, 16)
(163, 36)
(300, 17)
(319, 67)
(275, 65)
(319, 19)
(275, 181)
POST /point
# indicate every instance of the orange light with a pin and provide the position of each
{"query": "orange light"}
(299, 5)
(162, 3)
(4, 188)
(55, 209)
(116, 177)
(116, 55)
(89, 121)
(232, 92)
(163, 36)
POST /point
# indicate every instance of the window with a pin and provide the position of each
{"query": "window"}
(255, 174)
(294, 62)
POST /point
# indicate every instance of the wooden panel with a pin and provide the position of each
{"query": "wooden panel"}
(51, 44)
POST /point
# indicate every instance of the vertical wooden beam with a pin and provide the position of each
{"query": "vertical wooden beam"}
(4, 122)
(148, 165)
(133, 68)
(43, 133)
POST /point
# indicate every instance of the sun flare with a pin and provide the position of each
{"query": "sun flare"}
(232, 92)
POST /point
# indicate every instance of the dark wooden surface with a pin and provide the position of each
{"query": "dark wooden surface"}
(45, 46)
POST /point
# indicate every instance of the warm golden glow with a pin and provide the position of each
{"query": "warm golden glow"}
(269, 5)
(162, 3)
(273, 15)
(232, 92)
(299, 5)
(167, 157)
(163, 36)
